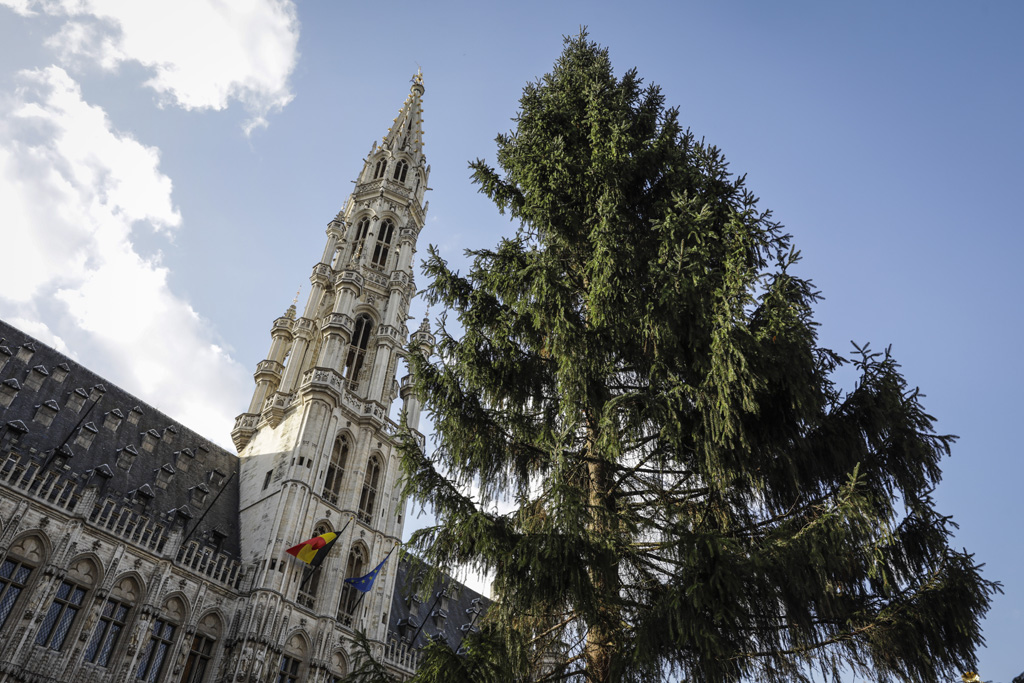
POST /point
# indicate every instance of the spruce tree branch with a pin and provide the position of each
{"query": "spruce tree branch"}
(572, 617)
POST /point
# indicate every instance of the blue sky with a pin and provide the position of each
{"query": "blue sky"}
(167, 170)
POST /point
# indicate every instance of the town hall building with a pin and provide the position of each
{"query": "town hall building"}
(134, 549)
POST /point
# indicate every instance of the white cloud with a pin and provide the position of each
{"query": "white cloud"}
(203, 53)
(71, 191)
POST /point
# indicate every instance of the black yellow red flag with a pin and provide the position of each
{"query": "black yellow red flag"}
(313, 551)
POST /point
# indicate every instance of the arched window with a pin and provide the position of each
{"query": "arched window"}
(161, 640)
(291, 660)
(380, 251)
(401, 168)
(349, 595)
(338, 668)
(25, 555)
(66, 605)
(309, 584)
(201, 652)
(357, 349)
(335, 471)
(112, 622)
(369, 493)
(380, 169)
(362, 230)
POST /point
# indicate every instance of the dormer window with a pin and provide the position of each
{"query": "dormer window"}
(183, 458)
(77, 399)
(163, 476)
(113, 419)
(46, 412)
(12, 435)
(150, 440)
(440, 617)
(60, 372)
(126, 457)
(25, 352)
(401, 169)
(383, 246)
(86, 435)
(135, 415)
(380, 169)
(414, 605)
(61, 456)
(35, 377)
(8, 390)
(198, 494)
(216, 477)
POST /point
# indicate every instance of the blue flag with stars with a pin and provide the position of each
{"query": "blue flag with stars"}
(365, 583)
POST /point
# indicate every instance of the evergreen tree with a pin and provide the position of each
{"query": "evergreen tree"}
(639, 379)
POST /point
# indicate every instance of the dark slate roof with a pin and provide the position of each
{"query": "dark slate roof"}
(410, 610)
(153, 464)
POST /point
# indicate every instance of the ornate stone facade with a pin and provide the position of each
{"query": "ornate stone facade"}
(133, 549)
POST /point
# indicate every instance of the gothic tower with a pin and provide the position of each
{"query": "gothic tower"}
(317, 445)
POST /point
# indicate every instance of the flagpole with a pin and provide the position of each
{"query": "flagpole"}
(412, 641)
(317, 568)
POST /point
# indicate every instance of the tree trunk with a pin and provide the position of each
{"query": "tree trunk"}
(600, 648)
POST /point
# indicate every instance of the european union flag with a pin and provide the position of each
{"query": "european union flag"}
(365, 583)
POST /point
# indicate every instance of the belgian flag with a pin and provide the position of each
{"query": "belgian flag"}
(313, 551)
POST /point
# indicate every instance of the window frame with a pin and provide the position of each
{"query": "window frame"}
(145, 670)
(382, 247)
(103, 644)
(61, 614)
(331, 491)
(357, 348)
(12, 581)
(196, 656)
(349, 598)
(371, 485)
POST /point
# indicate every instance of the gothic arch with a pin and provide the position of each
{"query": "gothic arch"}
(323, 523)
(359, 215)
(86, 569)
(359, 545)
(387, 214)
(132, 575)
(32, 546)
(212, 622)
(401, 170)
(339, 663)
(175, 608)
(369, 310)
(294, 657)
(299, 643)
(21, 566)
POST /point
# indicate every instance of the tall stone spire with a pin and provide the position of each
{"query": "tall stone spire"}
(317, 445)
(353, 322)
